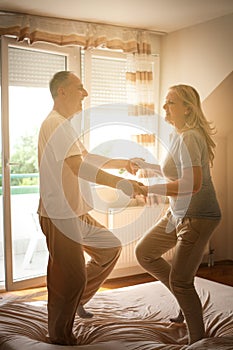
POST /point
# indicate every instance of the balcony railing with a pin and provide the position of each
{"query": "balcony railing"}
(22, 189)
(28, 242)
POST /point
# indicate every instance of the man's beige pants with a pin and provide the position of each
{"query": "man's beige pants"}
(70, 281)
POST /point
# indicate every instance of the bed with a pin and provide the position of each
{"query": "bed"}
(129, 318)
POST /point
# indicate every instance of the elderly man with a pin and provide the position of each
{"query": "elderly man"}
(66, 168)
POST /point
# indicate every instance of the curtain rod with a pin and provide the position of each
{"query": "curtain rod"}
(86, 22)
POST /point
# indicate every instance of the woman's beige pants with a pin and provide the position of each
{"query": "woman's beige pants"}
(190, 236)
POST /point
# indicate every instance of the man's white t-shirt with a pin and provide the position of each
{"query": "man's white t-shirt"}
(63, 194)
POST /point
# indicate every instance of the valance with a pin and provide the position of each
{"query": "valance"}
(64, 32)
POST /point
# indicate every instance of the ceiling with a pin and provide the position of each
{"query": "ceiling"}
(156, 15)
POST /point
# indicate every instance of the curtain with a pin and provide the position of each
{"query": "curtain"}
(140, 88)
(68, 32)
(135, 43)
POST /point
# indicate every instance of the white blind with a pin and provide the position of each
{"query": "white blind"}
(33, 68)
(108, 80)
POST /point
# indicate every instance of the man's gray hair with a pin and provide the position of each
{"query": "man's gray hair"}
(58, 79)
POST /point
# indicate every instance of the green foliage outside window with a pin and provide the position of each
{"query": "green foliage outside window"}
(25, 170)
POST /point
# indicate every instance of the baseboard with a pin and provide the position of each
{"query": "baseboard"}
(218, 262)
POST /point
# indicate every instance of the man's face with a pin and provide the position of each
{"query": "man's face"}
(74, 93)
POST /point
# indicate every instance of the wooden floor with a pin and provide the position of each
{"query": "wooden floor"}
(221, 272)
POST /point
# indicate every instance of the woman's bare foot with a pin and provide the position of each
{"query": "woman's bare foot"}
(178, 319)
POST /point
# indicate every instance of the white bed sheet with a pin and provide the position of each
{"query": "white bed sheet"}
(132, 318)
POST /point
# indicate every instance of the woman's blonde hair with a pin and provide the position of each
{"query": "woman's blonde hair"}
(196, 119)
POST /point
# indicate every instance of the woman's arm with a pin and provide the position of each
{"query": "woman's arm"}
(146, 169)
(189, 183)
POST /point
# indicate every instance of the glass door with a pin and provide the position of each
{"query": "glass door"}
(28, 102)
(2, 262)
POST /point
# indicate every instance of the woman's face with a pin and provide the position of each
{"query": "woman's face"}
(175, 110)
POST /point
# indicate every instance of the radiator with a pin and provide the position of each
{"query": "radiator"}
(129, 225)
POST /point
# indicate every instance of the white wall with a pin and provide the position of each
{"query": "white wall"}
(229, 239)
(202, 56)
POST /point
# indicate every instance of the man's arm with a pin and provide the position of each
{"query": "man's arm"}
(108, 163)
(92, 173)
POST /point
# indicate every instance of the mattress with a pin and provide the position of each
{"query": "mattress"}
(132, 318)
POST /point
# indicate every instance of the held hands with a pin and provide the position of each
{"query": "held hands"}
(132, 188)
(139, 189)
(132, 166)
(143, 168)
(150, 199)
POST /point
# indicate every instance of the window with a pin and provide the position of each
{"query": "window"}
(108, 129)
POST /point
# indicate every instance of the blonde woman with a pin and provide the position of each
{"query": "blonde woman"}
(193, 212)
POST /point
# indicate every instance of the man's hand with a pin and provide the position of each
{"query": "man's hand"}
(132, 188)
(139, 189)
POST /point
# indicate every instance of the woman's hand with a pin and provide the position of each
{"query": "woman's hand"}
(145, 169)
(132, 166)
(152, 199)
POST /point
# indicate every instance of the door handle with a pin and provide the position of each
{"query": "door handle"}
(13, 163)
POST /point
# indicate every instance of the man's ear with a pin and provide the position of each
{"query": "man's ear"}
(60, 91)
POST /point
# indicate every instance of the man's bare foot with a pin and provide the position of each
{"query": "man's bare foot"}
(83, 313)
(71, 341)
